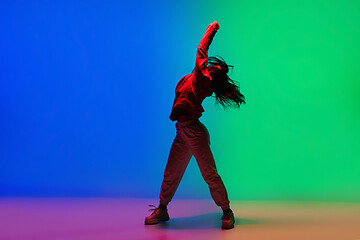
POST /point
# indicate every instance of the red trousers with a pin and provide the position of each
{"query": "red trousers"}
(192, 138)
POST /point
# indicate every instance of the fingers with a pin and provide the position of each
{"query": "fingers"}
(216, 24)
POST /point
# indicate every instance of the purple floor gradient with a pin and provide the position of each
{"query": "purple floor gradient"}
(123, 219)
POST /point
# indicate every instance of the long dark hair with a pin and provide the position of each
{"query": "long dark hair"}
(227, 92)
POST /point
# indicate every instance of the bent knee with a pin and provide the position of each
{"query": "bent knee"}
(212, 177)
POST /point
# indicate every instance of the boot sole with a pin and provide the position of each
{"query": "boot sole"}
(156, 222)
(227, 227)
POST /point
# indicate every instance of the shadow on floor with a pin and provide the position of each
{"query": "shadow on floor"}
(203, 221)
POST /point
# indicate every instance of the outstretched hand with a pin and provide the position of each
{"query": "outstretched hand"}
(216, 24)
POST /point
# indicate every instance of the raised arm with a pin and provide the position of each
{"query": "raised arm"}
(202, 51)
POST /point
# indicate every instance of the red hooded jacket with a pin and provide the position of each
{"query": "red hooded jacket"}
(193, 88)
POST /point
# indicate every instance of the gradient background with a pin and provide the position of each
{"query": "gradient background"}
(86, 88)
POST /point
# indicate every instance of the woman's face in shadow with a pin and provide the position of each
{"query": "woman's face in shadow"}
(213, 69)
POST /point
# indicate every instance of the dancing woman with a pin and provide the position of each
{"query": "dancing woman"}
(192, 138)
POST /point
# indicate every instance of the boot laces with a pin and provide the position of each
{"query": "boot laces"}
(226, 216)
(152, 209)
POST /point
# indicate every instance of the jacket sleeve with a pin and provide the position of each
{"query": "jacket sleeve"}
(202, 51)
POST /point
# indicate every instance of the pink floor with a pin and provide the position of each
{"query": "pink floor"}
(122, 219)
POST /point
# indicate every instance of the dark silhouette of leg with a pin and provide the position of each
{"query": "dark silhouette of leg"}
(197, 137)
(178, 160)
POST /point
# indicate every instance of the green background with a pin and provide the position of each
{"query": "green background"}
(298, 136)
